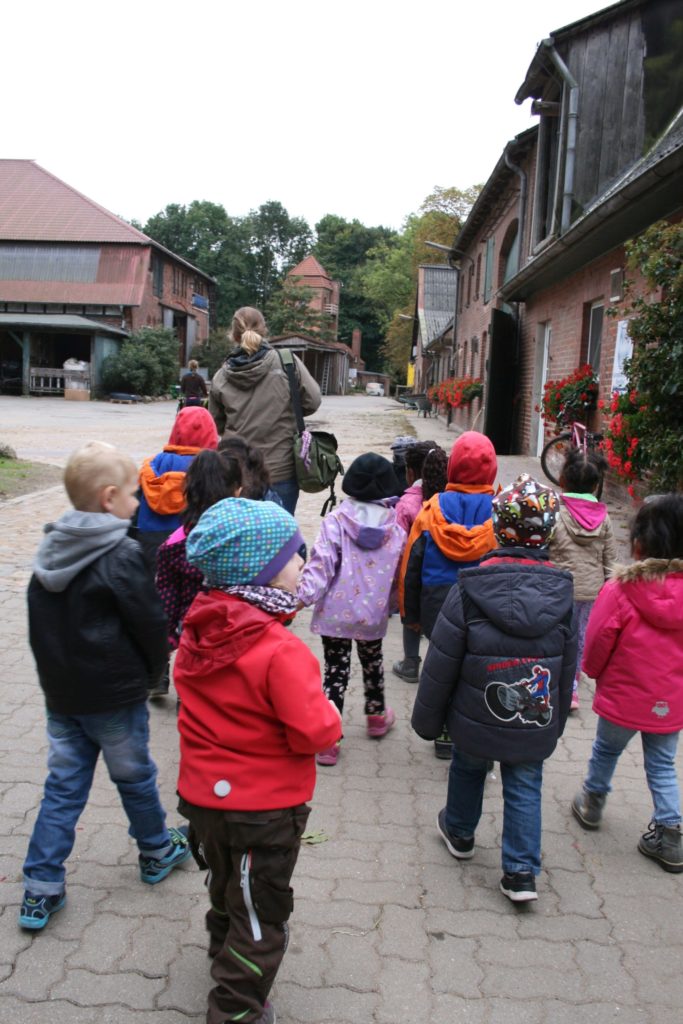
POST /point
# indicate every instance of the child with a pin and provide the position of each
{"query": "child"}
(350, 579)
(407, 509)
(452, 531)
(252, 716)
(583, 542)
(499, 671)
(211, 477)
(634, 651)
(98, 634)
(255, 476)
(162, 477)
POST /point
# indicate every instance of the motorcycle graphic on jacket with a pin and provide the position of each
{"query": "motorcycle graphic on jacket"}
(527, 699)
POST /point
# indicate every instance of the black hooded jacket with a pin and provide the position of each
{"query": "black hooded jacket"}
(500, 666)
(96, 625)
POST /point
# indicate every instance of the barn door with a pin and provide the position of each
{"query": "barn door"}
(501, 381)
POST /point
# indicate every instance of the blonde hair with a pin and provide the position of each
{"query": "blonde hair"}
(248, 329)
(92, 467)
(193, 365)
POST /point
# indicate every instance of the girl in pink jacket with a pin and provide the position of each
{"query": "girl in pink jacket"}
(634, 651)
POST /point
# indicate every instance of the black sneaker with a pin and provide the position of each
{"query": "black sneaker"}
(519, 886)
(458, 847)
(663, 844)
(36, 911)
(408, 669)
(443, 747)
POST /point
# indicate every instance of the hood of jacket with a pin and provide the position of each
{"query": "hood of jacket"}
(74, 542)
(654, 587)
(582, 517)
(461, 524)
(220, 628)
(246, 371)
(520, 595)
(193, 428)
(366, 522)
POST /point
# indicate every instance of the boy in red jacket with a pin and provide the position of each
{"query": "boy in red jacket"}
(252, 717)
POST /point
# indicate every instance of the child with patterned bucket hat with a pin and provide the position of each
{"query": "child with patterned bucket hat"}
(498, 674)
(252, 717)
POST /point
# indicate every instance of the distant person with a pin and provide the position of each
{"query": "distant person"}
(98, 633)
(252, 717)
(193, 386)
(250, 396)
(350, 578)
(583, 541)
(499, 673)
(634, 651)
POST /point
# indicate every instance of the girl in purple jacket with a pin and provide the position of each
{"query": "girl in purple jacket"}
(634, 651)
(351, 579)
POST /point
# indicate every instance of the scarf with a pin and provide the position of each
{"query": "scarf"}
(276, 602)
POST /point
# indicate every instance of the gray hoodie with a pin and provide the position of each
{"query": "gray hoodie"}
(74, 542)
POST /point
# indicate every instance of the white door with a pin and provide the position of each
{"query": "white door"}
(543, 338)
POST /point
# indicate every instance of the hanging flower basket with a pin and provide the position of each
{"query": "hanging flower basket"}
(456, 391)
(569, 399)
(621, 443)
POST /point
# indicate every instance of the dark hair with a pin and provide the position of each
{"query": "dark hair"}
(210, 477)
(255, 476)
(583, 471)
(416, 455)
(658, 527)
(434, 475)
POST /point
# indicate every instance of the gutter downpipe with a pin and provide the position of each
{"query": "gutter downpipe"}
(572, 127)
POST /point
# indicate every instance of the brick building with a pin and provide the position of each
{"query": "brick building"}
(75, 280)
(324, 297)
(541, 256)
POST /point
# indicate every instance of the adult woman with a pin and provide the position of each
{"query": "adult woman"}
(193, 385)
(250, 396)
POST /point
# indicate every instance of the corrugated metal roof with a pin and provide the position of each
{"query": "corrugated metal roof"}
(59, 322)
(78, 274)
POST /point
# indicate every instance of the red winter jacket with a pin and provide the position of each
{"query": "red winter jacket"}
(252, 711)
(634, 647)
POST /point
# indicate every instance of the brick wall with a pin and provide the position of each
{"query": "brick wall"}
(178, 288)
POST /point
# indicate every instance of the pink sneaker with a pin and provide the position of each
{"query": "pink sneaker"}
(574, 706)
(379, 725)
(329, 756)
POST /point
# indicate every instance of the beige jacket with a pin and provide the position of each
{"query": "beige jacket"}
(250, 396)
(588, 552)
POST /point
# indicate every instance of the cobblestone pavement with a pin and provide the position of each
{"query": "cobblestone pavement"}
(387, 927)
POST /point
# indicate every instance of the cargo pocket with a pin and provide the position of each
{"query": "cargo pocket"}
(272, 904)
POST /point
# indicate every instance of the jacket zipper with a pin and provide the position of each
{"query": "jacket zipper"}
(245, 866)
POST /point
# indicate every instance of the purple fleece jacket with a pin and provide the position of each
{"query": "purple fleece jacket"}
(351, 574)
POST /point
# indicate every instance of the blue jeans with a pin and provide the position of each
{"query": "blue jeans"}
(521, 844)
(75, 745)
(289, 492)
(659, 756)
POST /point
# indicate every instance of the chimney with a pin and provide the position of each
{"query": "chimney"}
(355, 343)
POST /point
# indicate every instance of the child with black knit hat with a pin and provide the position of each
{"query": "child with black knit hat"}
(351, 579)
(499, 674)
(252, 716)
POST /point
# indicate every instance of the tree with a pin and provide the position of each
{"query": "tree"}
(289, 310)
(277, 242)
(145, 364)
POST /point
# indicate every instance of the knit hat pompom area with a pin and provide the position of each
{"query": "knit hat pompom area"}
(371, 477)
(239, 541)
(472, 460)
(525, 513)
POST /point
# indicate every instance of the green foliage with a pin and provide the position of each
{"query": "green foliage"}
(288, 310)
(567, 400)
(215, 350)
(277, 243)
(146, 363)
(655, 370)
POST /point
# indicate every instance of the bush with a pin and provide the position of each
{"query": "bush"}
(146, 363)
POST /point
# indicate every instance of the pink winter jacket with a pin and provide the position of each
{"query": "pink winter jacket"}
(408, 506)
(634, 647)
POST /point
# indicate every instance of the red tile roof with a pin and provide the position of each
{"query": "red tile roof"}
(36, 206)
(309, 268)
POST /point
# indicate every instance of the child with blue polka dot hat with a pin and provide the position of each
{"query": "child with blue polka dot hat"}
(252, 717)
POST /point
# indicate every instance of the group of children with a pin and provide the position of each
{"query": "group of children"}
(508, 586)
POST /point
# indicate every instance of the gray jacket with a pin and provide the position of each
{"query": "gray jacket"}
(250, 396)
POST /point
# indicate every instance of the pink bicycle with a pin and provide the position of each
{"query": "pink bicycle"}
(555, 450)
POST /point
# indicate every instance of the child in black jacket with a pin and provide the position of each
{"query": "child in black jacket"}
(99, 636)
(498, 674)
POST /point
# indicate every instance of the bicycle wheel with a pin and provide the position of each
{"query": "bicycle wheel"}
(594, 442)
(553, 455)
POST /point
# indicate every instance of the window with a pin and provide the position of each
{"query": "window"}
(157, 275)
(595, 335)
(470, 278)
(548, 188)
(509, 253)
(488, 272)
(477, 283)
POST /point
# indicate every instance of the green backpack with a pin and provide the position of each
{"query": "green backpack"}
(315, 451)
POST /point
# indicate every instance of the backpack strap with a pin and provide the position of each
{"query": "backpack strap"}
(287, 361)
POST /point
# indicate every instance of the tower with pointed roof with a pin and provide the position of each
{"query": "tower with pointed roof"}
(324, 291)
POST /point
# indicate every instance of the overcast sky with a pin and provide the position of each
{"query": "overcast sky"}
(355, 107)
